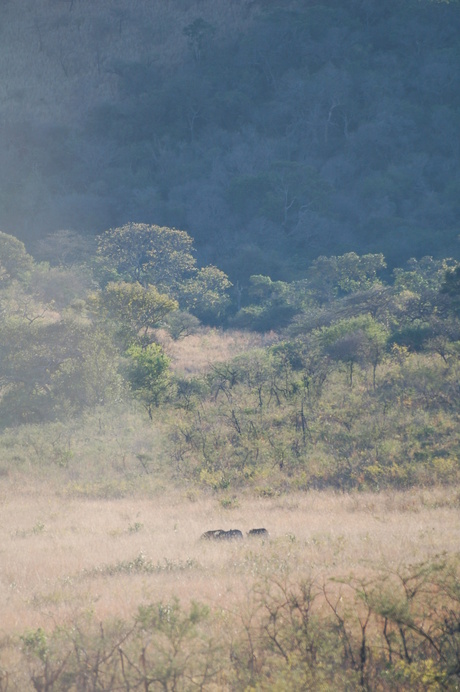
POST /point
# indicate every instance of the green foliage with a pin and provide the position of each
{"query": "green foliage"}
(413, 336)
(329, 277)
(147, 254)
(63, 248)
(271, 418)
(50, 369)
(273, 304)
(35, 644)
(426, 274)
(358, 339)
(451, 287)
(278, 195)
(58, 288)
(189, 392)
(285, 418)
(414, 608)
(105, 452)
(249, 125)
(181, 323)
(161, 257)
(248, 194)
(15, 262)
(206, 294)
(299, 648)
(148, 374)
(139, 565)
(178, 651)
(135, 308)
(166, 647)
(170, 619)
(199, 34)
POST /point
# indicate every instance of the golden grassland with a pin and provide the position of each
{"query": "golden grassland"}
(62, 556)
(196, 353)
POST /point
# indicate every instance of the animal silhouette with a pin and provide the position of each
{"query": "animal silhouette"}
(220, 535)
(212, 535)
(262, 533)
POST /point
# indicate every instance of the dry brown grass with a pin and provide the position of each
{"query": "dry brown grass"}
(195, 354)
(55, 551)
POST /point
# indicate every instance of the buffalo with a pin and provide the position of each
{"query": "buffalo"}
(262, 533)
(220, 535)
(230, 535)
(213, 535)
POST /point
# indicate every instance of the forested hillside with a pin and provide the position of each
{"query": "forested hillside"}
(272, 132)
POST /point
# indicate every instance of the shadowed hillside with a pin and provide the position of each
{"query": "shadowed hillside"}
(271, 132)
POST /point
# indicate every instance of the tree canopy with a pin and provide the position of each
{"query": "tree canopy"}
(164, 258)
(147, 254)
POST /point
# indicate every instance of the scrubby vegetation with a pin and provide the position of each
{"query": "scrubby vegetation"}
(353, 382)
(383, 637)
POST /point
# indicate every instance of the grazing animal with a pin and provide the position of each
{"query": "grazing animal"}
(220, 535)
(263, 533)
(230, 535)
(212, 535)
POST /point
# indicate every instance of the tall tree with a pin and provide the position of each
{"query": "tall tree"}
(147, 254)
(134, 308)
(164, 258)
(14, 260)
(149, 375)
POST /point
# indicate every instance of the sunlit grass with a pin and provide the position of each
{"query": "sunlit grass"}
(195, 354)
(62, 555)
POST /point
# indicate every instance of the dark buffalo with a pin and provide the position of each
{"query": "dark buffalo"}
(212, 535)
(230, 535)
(262, 533)
(220, 535)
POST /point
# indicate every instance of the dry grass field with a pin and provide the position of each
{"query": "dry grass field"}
(63, 556)
(196, 353)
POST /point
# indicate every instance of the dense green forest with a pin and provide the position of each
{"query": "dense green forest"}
(272, 132)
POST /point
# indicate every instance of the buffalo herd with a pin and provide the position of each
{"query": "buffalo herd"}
(232, 534)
